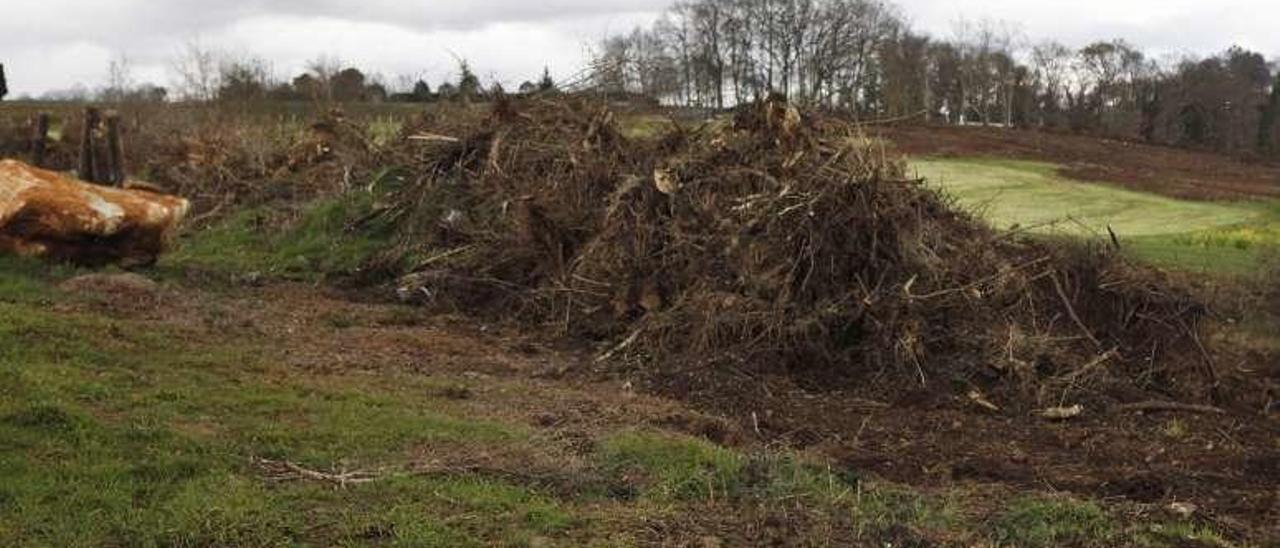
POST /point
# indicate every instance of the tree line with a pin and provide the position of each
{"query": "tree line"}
(861, 56)
(204, 75)
(328, 81)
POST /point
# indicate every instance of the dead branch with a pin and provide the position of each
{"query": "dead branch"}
(285, 471)
(1061, 413)
(433, 138)
(984, 281)
(203, 217)
(1159, 406)
(1071, 311)
(621, 346)
(1093, 364)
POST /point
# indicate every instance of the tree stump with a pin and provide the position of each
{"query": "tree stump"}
(115, 151)
(88, 156)
(40, 139)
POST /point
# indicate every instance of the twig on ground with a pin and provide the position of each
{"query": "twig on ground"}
(433, 138)
(630, 340)
(1088, 367)
(285, 470)
(200, 219)
(1061, 413)
(1157, 406)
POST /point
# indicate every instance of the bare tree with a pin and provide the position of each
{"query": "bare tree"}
(119, 79)
(195, 72)
(245, 78)
(860, 55)
(323, 69)
(986, 51)
(1052, 64)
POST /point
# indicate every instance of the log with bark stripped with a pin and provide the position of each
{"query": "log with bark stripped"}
(47, 214)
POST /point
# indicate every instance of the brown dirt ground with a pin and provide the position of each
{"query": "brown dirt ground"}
(1229, 465)
(1169, 171)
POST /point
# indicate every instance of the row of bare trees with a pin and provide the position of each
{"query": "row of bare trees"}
(207, 75)
(719, 52)
(862, 57)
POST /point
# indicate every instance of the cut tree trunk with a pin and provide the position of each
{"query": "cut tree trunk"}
(40, 139)
(115, 151)
(88, 153)
(46, 214)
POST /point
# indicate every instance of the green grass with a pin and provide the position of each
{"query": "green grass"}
(314, 245)
(645, 126)
(1031, 522)
(122, 432)
(666, 469)
(115, 433)
(21, 280)
(1181, 534)
(674, 468)
(1231, 238)
(1248, 249)
(1034, 522)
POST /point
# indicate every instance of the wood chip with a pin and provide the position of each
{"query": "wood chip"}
(1061, 413)
(666, 183)
(981, 401)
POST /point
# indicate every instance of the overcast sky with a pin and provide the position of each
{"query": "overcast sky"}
(55, 44)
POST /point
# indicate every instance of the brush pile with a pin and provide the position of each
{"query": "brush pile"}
(216, 154)
(778, 244)
(241, 161)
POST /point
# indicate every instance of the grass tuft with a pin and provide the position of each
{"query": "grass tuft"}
(43, 418)
(665, 467)
(1034, 522)
(311, 247)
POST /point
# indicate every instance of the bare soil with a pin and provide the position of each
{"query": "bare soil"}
(1227, 465)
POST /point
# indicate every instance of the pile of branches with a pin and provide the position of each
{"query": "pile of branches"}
(242, 159)
(213, 154)
(778, 243)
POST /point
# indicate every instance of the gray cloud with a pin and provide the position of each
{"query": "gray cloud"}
(507, 40)
(1164, 26)
(136, 20)
(56, 43)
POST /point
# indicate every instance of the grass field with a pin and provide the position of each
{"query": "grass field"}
(181, 425)
(120, 430)
(1220, 237)
(248, 402)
